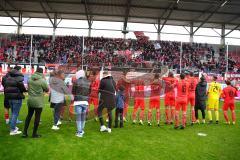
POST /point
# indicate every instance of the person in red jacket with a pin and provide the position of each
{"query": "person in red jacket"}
(93, 97)
(169, 100)
(154, 102)
(191, 95)
(138, 101)
(181, 101)
(127, 85)
(229, 93)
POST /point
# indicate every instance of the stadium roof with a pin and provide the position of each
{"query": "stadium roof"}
(203, 13)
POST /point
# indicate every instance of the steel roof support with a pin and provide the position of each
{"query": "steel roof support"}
(8, 14)
(126, 16)
(208, 17)
(88, 16)
(54, 27)
(19, 29)
(158, 30)
(235, 28)
(191, 33)
(222, 42)
(171, 8)
(44, 10)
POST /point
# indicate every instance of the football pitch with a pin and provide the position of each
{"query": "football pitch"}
(133, 142)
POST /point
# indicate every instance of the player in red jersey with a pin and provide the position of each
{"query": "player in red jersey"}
(138, 101)
(127, 85)
(170, 83)
(181, 101)
(191, 95)
(154, 102)
(93, 97)
(229, 93)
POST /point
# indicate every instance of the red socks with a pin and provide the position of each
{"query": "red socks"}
(6, 116)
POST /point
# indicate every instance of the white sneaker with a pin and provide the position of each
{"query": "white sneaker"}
(134, 121)
(16, 128)
(15, 132)
(59, 123)
(203, 121)
(80, 135)
(141, 122)
(55, 127)
(103, 129)
(109, 130)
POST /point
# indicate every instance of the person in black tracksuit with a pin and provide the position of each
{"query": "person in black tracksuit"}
(201, 97)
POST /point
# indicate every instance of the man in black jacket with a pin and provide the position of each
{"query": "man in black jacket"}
(200, 100)
(13, 89)
(107, 90)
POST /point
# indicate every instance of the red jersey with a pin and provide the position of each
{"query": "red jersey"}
(155, 88)
(192, 85)
(229, 93)
(182, 88)
(139, 89)
(95, 82)
(170, 83)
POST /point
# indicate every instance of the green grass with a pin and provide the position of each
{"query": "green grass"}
(131, 142)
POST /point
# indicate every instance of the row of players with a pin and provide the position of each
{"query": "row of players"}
(190, 90)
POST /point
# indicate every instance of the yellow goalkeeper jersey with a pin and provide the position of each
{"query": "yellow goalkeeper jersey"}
(214, 90)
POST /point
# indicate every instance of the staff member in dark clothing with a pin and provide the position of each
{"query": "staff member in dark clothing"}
(200, 100)
(107, 90)
(37, 85)
(13, 89)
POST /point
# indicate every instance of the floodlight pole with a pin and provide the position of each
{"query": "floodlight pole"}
(227, 59)
(82, 51)
(31, 48)
(181, 58)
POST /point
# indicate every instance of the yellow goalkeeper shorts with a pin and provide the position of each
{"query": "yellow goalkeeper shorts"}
(213, 104)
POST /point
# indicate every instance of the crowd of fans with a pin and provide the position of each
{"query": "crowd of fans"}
(118, 52)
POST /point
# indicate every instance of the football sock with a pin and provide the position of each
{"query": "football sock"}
(6, 116)
(158, 116)
(217, 115)
(210, 115)
(225, 115)
(233, 116)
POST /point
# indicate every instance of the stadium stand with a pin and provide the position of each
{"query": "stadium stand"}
(118, 52)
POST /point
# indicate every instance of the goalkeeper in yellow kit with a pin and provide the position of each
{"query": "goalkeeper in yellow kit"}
(214, 92)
